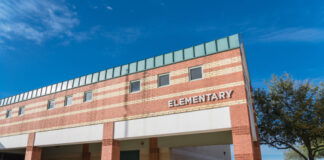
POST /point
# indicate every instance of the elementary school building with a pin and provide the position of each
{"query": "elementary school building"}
(190, 104)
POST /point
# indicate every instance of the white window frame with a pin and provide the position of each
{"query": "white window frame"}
(130, 86)
(202, 73)
(19, 111)
(66, 98)
(7, 113)
(159, 80)
(50, 103)
(85, 96)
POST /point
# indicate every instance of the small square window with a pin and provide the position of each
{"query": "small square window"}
(195, 73)
(21, 110)
(68, 101)
(164, 80)
(50, 104)
(9, 111)
(88, 96)
(135, 86)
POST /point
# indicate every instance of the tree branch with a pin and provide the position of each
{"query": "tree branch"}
(318, 149)
(288, 147)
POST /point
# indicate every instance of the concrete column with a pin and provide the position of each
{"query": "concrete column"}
(32, 152)
(154, 149)
(110, 148)
(85, 152)
(241, 132)
(165, 153)
(144, 154)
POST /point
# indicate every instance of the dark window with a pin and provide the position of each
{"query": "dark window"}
(135, 86)
(21, 110)
(164, 80)
(50, 104)
(195, 73)
(88, 96)
(68, 101)
(9, 111)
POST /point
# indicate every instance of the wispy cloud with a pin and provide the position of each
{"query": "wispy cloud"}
(109, 8)
(35, 20)
(295, 34)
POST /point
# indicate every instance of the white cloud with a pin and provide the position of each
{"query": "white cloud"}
(35, 20)
(109, 8)
(295, 34)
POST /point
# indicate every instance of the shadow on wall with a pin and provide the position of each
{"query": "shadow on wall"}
(214, 152)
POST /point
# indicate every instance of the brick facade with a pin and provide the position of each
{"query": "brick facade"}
(112, 102)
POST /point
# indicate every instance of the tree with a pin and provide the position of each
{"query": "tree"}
(292, 155)
(291, 113)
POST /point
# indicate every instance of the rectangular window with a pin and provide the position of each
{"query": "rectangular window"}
(9, 111)
(68, 101)
(164, 80)
(195, 73)
(50, 104)
(21, 110)
(88, 96)
(135, 86)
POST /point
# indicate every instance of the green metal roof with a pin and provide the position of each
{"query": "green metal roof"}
(212, 47)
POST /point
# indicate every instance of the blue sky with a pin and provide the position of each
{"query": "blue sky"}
(44, 42)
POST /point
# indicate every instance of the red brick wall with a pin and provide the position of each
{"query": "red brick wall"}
(149, 101)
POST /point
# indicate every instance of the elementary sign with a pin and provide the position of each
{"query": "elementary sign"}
(201, 98)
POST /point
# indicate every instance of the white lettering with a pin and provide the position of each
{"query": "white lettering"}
(170, 103)
(221, 95)
(214, 97)
(229, 93)
(182, 101)
(208, 96)
(195, 99)
(202, 98)
(175, 103)
(188, 100)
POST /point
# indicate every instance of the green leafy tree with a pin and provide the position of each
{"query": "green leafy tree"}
(291, 113)
(292, 155)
